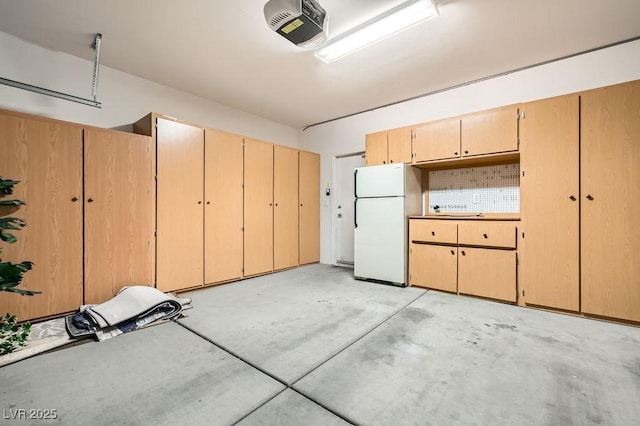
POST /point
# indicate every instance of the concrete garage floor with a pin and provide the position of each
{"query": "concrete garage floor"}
(313, 346)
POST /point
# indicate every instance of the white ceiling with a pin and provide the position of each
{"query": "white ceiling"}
(223, 50)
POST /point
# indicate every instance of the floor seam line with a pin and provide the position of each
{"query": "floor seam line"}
(356, 340)
(232, 353)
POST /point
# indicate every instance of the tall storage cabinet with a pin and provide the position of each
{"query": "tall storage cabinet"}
(258, 207)
(285, 211)
(46, 157)
(119, 213)
(309, 187)
(180, 210)
(223, 235)
(610, 179)
(550, 238)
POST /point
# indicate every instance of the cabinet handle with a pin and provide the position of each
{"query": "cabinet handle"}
(453, 252)
(485, 235)
(270, 204)
(466, 152)
(199, 202)
(384, 162)
(90, 200)
(276, 204)
(433, 233)
(572, 198)
(455, 153)
(300, 204)
(390, 161)
(463, 253)
(74, 199)
(589, 197)
(208, 202)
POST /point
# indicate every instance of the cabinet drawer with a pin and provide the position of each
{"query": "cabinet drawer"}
(489, 234)
(433, 231)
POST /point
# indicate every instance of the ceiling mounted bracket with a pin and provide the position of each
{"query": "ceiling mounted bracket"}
(67, 97)
(96, 65)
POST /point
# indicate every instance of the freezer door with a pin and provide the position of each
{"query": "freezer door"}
(380, 239)
(380, 181)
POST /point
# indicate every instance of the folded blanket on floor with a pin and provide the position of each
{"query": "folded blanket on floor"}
(132, 308)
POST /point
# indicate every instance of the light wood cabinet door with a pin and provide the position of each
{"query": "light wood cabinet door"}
(46, 157)
(376, 149)
(487, 273)
(180, 210)
(490, 131)
(610, 179)
(437, 141)
(433, 266)
(309, 187)
(285, 212)
(549, 205)
(119, 213)
(399, 145)
(258, 207)
(223, 221)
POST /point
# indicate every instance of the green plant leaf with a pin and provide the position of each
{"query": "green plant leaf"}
(7, 237)
(11, 275)
(12, 203)
(6, 185)
(12, 223)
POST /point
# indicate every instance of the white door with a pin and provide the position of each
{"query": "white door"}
(343, 213)
(380, 239)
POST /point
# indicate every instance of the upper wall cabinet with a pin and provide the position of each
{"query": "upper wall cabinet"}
(437, 140)
(393, 146)
(489, 132)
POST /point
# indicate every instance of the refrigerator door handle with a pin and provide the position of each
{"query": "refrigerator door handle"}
(355, 183)
(355, 213)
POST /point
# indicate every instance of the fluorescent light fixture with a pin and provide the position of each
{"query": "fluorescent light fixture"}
(385, 25)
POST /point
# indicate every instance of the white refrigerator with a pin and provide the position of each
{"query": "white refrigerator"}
(385, 196)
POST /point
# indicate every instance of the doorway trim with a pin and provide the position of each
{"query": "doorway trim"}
(334, 206)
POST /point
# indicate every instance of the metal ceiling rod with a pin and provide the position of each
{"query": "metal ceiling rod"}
(67, 97)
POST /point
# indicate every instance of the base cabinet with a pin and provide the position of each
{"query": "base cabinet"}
(487, 272)
(434, 266)
(473, 257)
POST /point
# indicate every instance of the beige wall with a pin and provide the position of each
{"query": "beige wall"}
(601, 68)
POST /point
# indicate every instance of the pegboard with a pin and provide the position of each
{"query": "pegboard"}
(487, 189)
